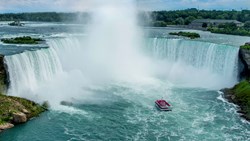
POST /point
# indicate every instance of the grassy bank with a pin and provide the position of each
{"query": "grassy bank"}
(246, 46)
(10, 105)
(240, 95)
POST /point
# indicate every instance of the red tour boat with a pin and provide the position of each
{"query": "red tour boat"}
(163, 105)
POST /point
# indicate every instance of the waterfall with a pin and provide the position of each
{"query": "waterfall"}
(184, 62)
(69, 50)
(215, 59)
(28, 70)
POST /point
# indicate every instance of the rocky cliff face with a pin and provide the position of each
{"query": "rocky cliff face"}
(3, 75)
(244, 55)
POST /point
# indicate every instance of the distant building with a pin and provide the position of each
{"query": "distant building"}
(210, 22)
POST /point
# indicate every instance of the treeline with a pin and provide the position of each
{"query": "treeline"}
(155, 18)
(185, 17)
(46, 17)
(232, 29)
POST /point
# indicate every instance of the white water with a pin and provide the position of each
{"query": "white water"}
(194, 63)
(28, 70)
(113, 45)
(68, 67)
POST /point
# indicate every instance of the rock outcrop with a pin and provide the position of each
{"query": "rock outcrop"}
(19, 117)
(14, 110)
(3, 75)
(244, 55)
(5, 126)
(66, 103)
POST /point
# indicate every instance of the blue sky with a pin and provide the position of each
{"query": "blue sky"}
(83, 5)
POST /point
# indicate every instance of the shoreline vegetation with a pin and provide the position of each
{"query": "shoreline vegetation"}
(231, 30)
(191, 35)
(240, 95)
(22, 40)
(216, 21)
(246, 46)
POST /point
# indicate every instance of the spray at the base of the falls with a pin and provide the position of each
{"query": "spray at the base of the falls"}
(113, 44)
(113, 52)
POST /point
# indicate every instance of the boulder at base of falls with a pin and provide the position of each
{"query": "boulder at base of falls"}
(66, 103)
(19, 117)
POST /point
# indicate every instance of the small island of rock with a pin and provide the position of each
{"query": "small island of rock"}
(21, 40)
(191, 35)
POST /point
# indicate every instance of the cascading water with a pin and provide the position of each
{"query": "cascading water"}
(27, 71)
(221, 59)
(195, 63)
(175, 60)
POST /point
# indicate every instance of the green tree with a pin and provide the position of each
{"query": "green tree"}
(159, 24)
(189, 19)
(247, 25)
(179, 21)
(229, 26)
